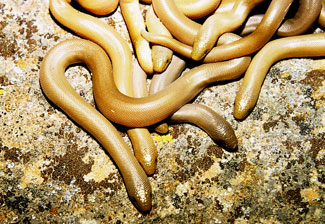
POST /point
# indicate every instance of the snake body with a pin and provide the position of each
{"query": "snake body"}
(99, 32)
(112, 76)
(124, 110)
(60, 92)
(220, 23)
(308, 12)
(244, 46)
(99, 7)
(309, 45)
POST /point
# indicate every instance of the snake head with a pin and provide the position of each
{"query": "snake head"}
(142, 200)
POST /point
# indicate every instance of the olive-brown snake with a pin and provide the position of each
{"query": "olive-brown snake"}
(247, 45)
(308, 12)
(142, 142)
(161, 56)
(220, 23)
(172, 72)
(180, 26)
(99, 7)
(251, 24)
(271, 21)
(104, 35)
(143, 145)
(310, 45)
(183, 49)
(321, 18)
(99, 32)
(225, 6)
(208, 120)
(60, 92)
(194, 9)
(154, 106)
(200, 115)
(124, 110)
(161, 80)
(135, 23)
(171, 43)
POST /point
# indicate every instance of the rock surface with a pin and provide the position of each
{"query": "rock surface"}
(52, 171)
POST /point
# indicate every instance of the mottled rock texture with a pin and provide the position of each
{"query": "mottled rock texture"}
(52, 171)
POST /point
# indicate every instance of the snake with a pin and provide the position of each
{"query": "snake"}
(321, 18)
(122, 107)
(60, 92)
(271, 21)
(161, 56)
(194, 9)
(208, 120)
(161, 80)
(99, 7)
(200, 115)
(309, 45)
(134, 112)
(134, 21)
(305, 17)
(220, 23)
(143, 145)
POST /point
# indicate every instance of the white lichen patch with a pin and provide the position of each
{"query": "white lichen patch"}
(101, 169)
(32, 174)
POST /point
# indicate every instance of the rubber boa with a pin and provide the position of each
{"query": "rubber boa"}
(173, 71)
(211, 122)
(310, 45)
(171, 43)
(134, 112)
(104, 35)
(225, 6)
(200, 115)
(162, 128)
(181, 27)
(183, 49)
(321, 18)
(135, 23)
(60, 92)
(194, 9)
(308, 12)
(146, 154)
(99, 32)
(274, 15)
(160, 81)
(99, 7)
(306, 15)
(143, 145)
(251, 24)
(139, 81)
(161, 56)
(219, 23)
(265, 30)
